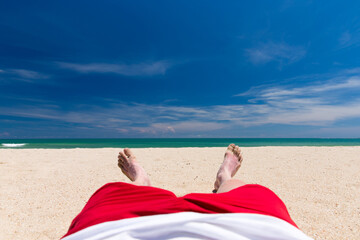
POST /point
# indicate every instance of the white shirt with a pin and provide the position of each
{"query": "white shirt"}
(191, 225)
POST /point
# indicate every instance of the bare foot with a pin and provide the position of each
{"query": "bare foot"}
(132, 169)
(229, 167)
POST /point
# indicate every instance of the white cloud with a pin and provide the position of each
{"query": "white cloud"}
(351, 71)
(181, 127)
(122, 130)
(276, 92)
(278, 52)
(28, 74)
(319, 103)
(189, 126)
(315, 104)
(142, 69)
(23, 75)
(350, 83)
(349, 38)
(311, 114)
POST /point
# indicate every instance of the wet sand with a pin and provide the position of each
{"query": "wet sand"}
(42, 190)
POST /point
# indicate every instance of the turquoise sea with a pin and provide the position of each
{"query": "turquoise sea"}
(174, 142)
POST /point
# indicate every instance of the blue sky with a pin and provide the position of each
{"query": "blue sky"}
(179, 69)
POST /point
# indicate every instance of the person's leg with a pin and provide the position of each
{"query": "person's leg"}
(119, 200)
(132, 169)
(229, 167)
(234, 196)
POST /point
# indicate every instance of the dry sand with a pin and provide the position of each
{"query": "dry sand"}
(42, 190)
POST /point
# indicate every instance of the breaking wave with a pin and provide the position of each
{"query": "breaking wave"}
(13, 144)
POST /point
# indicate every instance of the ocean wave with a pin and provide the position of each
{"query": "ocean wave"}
(13, 144)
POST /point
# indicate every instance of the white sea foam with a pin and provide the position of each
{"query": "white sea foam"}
(13, 144)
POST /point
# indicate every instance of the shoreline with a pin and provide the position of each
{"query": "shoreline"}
(44, 189)
(173, 142)
(166, 148)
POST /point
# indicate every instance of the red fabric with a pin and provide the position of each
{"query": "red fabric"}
(115, 201)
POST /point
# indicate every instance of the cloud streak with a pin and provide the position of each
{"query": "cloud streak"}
(28, 74)
(315, 104)
(275, 52)
(142, 69)
(349, 38)
(24, 75)
(309, 90)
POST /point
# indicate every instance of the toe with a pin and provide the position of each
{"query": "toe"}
(120, 161)
(122, 156)
(128, 152)
(120, 164)
(237, 150)
(237, 153)
(231, 147)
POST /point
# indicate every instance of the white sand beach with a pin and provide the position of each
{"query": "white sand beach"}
(42, 190)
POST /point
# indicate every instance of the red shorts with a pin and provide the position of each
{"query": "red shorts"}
(118, 200)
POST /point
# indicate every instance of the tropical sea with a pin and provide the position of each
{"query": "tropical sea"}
(174, 142)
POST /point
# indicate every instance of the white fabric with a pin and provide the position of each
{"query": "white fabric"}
(190, 225)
